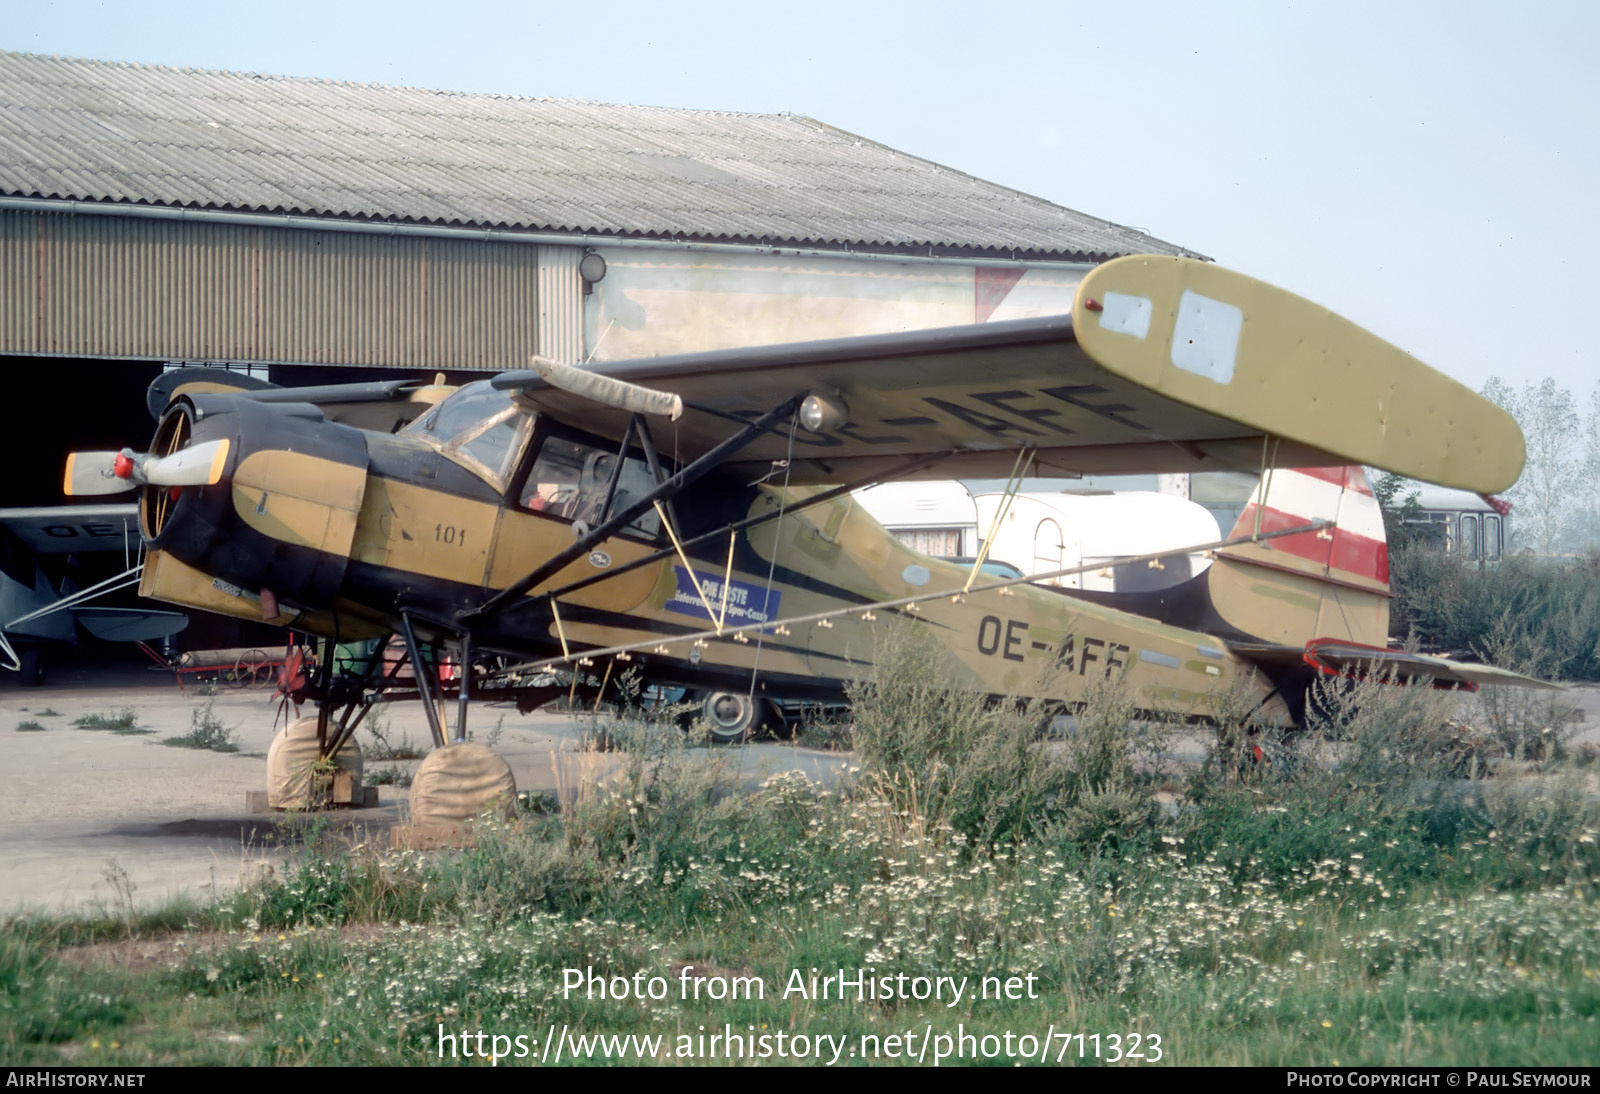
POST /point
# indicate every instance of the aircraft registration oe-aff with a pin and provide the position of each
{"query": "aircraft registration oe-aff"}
(689, 518)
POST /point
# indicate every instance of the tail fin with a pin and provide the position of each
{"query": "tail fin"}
(1330, 584)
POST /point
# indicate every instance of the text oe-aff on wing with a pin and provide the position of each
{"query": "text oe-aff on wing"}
(1164, 365)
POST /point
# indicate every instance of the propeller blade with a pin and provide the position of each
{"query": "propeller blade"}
(198, 465)
(91, 473)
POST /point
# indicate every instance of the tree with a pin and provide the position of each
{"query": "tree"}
(1401, 507)
(1583, 531)
(1548, 494)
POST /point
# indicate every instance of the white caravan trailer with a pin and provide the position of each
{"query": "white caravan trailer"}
(1041, 533)
(936, 518)
(1044, 532)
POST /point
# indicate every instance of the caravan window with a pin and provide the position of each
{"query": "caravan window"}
(938, 542)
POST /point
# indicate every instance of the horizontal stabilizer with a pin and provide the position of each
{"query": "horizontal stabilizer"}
(1334, 657)
(1351, 659)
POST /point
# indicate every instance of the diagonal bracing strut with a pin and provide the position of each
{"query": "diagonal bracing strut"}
(823, 498)
(669, 489)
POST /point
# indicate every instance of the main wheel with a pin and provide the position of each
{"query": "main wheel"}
(732, 716)
(32, 666)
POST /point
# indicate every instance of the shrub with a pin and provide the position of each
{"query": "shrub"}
(1544, 613)
(1388, 778)
(380, 747)
(953, 758)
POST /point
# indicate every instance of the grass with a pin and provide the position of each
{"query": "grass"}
(125, 722)
(825, 734)
(207, 732)
(30, 726)
(1350, 899)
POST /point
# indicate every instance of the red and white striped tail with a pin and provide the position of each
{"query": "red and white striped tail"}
(1355, 549)
(1332, 583)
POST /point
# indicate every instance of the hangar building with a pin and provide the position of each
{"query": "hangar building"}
(151, 216)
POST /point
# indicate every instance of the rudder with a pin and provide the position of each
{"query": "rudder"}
(1333, 583)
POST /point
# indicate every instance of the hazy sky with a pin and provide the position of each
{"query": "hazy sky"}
(1429, 170)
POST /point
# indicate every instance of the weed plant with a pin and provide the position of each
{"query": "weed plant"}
(390, 775)
(206, 731)
(826, 733)
(124, 723)
(380, 747)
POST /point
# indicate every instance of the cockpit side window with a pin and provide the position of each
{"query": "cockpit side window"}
(574, 479)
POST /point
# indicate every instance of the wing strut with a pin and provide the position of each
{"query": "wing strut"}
(669, 489)
(659, 644)
(1019, 471)
(751, 522)
(72, 600)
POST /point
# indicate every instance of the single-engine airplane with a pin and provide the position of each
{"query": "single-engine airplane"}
(39, 607)
(689, 518)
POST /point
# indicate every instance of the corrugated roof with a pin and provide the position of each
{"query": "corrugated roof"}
(115, 132)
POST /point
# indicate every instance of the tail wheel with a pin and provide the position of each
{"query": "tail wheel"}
(733, 716)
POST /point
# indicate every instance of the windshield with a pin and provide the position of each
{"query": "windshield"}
(478, 425)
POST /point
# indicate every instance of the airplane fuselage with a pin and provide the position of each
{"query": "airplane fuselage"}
(336, 531)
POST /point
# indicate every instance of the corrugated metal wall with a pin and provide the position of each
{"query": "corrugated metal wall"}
(560, 304)
(95, 286)
(19, 277)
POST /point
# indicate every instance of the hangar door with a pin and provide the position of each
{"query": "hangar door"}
(166, 290)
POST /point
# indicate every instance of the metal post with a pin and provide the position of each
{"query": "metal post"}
(466, 685)
(424, 685)
(685, 478)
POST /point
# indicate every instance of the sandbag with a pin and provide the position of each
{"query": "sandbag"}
(458, 782)
(289, 766)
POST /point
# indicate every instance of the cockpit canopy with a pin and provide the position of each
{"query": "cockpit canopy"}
(479, 427)
(574, 477)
